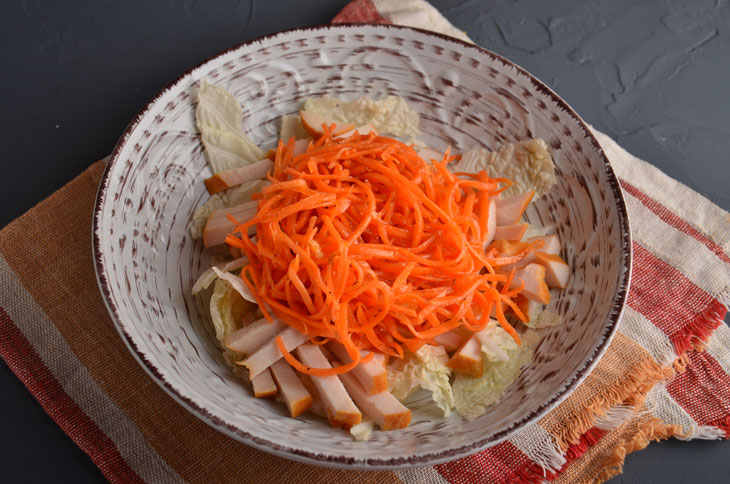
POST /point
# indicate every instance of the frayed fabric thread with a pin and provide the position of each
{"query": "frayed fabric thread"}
(537, 474)
(701, 328)
(615, 417)
(661, 405)
(724, 297)
(631, 390)
(617, 405)
(723, 425)
(645, 433)
(540, 446)
(704, 432)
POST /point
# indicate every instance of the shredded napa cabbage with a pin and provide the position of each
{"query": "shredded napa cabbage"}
(229, 312)
(361, 431)
(390, 115)
(497, 344)
(502, 366)
(208, 277)
(236, 283)
(218, 118)
(228, 198)
(546, 319)
(528, 164)
(426, 369)
(227, 309)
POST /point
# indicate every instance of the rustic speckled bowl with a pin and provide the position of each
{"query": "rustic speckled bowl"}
(146, 260)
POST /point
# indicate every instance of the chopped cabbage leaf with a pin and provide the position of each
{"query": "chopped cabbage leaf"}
(237, 283)
(209, 276)
(232, 358)
(546, 319)
(227, 309)
(498, 345)
(218, 117)
(226, 151)
(528, 164)
(390, 115)
(473, 395)
(228, 198)
(426, 368)
(362, 430)
(291, 125)
(217, 109)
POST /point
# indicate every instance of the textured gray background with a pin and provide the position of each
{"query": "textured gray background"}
(654, 75)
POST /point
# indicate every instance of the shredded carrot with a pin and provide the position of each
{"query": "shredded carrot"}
(337, 370)
(361, 241)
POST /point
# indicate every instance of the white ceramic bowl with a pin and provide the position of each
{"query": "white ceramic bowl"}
(146, 260)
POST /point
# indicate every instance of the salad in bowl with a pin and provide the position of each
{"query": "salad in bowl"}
(350, 219)
(354, 268)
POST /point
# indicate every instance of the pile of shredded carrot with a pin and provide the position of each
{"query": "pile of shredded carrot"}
(361, 241)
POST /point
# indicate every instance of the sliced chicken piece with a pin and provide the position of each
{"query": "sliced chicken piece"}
(524, 262)
(551, 243)
(535, 289)
(528, 307)
(383, 408)
(511, 232)
(508, 248)
(242, 212)
(217, 227)
(216, 231)
(451, 340)
(269, 353)
(492, 222)
(429, 154)
(339, 405)
(372, 375)
(509, 210)
(364, 129)
(313, 124)
(317, 407)
(300, 146)
(250, 338)
(295, 395)
(381, 359)
(263, 385)
(231, 178)
(557, 271)
(469, 357)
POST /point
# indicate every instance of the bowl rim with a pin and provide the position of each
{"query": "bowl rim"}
(341, 461)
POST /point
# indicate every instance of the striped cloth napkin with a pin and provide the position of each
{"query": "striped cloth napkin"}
(666, 374)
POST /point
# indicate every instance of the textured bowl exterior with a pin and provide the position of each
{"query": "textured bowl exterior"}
(467, 97)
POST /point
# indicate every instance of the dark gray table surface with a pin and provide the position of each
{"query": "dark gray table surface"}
(654, 75)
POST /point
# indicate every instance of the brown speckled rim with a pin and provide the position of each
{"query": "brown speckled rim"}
(393, 462)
